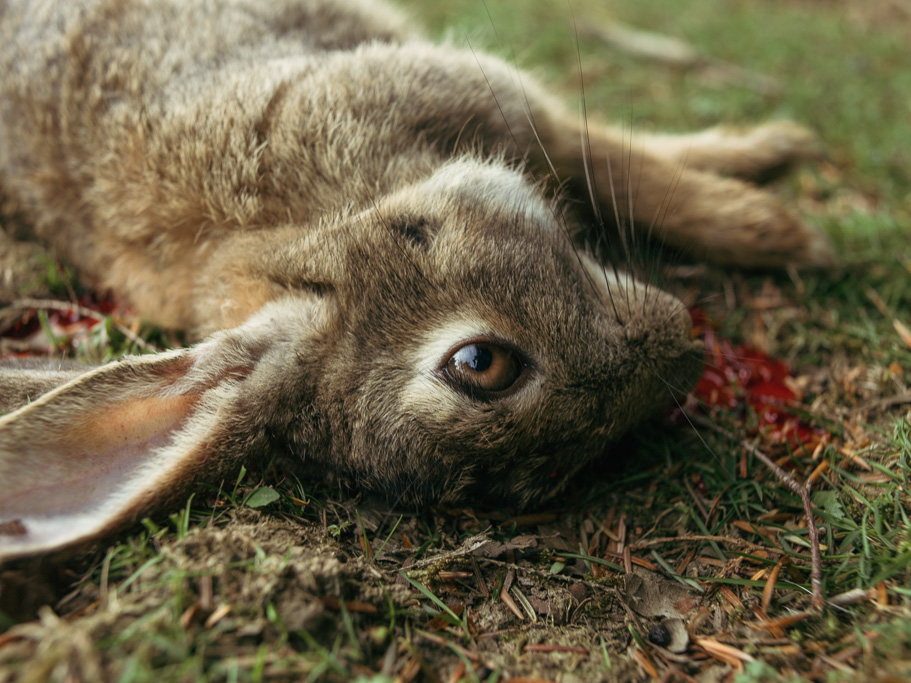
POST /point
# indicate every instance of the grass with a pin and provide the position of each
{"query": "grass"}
(323, 586)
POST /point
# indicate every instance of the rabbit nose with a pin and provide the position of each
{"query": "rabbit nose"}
(659, 334)
(641, 309)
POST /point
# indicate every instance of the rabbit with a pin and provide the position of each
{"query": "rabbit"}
(378, 242)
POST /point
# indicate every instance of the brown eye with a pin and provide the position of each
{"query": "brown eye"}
(484, 366)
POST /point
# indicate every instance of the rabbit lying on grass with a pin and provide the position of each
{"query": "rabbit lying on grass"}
(361, 226)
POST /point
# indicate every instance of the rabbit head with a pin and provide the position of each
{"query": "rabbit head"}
(482, 352)
(450, 341)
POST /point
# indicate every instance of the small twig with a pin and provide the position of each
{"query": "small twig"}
(887, 402)
(699, 503)
(853, 596)
(633, 617)
(445, 642)
(727, 540)
(468, 546)
(547, 575)
(803, 492)
(482, 584)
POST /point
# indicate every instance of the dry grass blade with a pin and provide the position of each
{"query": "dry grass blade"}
(409, 672)
(775, 625)
(817, 473)
(216, 616)
(769, 588)
(802, 491)
(903, 332)
(455, 575)
(511, 604)
(440, 640)
(479, 579)
(190, 615)
(646, 44)
(643, 660)
(700, 538)
(726, 653)
(732, 598)
(855, 596)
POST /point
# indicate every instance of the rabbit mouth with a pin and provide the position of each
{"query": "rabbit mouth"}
(681, 374)
(668, 360)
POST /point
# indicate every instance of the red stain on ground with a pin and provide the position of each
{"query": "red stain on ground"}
(747, 381)
(30, 338)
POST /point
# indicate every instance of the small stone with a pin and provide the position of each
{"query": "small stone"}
(659, 635)
(578, 591)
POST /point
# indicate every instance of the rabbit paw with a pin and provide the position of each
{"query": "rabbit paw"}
(733, 223)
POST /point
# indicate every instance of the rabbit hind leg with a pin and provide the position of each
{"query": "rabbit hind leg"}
(758, 154)
(697, 211)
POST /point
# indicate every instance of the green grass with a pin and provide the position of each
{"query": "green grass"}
(837, 74)
(845, 82)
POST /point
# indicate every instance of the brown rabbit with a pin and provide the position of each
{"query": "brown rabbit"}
(359, 223)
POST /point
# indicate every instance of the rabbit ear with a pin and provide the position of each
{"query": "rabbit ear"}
(102, 450)
(94, 453)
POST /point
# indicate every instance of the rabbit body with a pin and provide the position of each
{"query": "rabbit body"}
(360, 223)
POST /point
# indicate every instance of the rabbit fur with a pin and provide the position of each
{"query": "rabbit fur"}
(341, 211)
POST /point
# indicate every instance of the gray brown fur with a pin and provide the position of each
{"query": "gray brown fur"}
(345, 201)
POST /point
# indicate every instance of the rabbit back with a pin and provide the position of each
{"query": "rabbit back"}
(132, 134)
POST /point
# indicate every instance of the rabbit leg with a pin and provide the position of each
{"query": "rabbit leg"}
(757, 154)
(704, 215)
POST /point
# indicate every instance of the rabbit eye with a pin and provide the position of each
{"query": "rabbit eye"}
(484, 366)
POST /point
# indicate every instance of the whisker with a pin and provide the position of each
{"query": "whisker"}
(692, 425)
(558, 217)
(631, 205)
(587, 165)
(661, 212)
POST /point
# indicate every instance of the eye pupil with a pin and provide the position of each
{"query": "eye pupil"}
(478, 358)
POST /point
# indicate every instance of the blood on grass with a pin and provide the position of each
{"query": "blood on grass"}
(748, 382)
